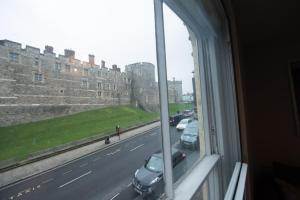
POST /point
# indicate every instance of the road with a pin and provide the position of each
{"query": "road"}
(105, 174)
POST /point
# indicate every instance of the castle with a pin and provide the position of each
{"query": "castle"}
(35, 85)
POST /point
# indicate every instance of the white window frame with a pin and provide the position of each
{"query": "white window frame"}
(213, 93)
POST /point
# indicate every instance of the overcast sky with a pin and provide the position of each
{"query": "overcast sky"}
(118, 31)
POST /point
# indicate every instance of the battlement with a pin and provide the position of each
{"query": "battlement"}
(35, 53)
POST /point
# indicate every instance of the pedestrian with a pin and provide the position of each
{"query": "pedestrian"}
(118, 131)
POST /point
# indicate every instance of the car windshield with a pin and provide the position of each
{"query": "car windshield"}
(188, 134)
(185, 121)
(155, 163)
(191, 130)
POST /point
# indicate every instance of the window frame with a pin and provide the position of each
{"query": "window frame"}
(216, 126)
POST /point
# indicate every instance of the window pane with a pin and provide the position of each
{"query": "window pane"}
(184, 94)
(78, 81)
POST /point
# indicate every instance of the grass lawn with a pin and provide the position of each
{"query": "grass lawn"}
(174, 107)
(19, 141)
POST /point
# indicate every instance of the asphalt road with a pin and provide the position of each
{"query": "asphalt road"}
(105, 174)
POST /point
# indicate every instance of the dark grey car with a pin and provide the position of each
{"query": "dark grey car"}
(148, 178)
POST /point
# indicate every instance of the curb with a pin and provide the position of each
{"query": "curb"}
(5, 186)
(66, 149)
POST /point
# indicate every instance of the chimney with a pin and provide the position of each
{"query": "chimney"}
(48, 49)
(69, 53)
(114, 67)
(91, 59)
(102, 64)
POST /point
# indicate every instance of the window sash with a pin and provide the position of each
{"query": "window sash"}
(163, 95)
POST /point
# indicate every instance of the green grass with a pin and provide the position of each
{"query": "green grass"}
(19, 141)
(174, 107)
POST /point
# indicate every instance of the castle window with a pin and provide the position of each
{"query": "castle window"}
(114, 87)
(84, 83)
(85, 72)
(36, 61)
(68, 68)
(13, 57)
(99, 93)
(38, 77)
(57, 66)
(99, 85)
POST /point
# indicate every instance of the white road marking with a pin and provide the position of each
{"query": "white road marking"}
(129, 184)
(114, 152)
(47, 181)
(136, 147)
(83, 165)
(67, 172)
(77, 159)
(153, 133)
(115, 196)
(71, 181)
(96, 159)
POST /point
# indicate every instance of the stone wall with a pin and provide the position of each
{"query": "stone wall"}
(144, 89)
(36, 86)
(16, 114)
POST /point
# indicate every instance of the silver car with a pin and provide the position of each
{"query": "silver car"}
(190, 136)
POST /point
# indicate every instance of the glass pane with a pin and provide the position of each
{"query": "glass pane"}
(79, 93)
(184, 94)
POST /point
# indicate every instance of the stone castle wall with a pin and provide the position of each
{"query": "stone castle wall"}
(143, 86)
(40, 86)
(36, 86)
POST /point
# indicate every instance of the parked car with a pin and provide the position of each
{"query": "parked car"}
(148, 178)
(190, 136)
(183, 124)
(187, 113)
(174, 120)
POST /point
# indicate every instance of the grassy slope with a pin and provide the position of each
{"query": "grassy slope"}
(174, 107)
(19, 141)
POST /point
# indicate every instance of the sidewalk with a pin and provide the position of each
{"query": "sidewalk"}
(38, 167)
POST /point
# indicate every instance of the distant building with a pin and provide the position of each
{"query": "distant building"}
(175, 91)
(188, 98)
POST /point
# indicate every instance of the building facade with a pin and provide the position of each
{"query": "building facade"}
(38, 85)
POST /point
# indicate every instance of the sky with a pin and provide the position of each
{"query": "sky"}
(117, 31)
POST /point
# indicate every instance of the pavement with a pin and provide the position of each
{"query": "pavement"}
(41, 166)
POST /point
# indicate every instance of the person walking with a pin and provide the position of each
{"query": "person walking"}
(118, 131)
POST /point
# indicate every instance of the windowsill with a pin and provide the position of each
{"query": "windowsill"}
(196, 177)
